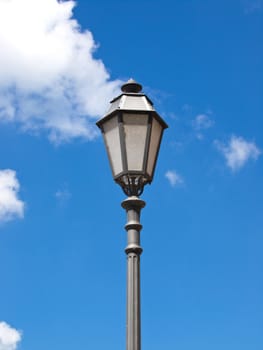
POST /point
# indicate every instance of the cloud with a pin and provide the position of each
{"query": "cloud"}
(9, 337)
(10, 205)
(200, 123)
(49, 78)
(238, 152)
(174, 178)
(63, 195)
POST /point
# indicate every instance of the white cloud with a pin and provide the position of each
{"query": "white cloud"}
(174, 178)
(49, 78)
(10, 205)
(201, 123)
(9, 337)
(238, 152)
(63, 195)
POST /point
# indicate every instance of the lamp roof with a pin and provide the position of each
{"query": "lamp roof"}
(131, 100)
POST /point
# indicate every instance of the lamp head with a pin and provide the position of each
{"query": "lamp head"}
(132, 132)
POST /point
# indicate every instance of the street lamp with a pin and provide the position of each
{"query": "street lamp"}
(132, 132)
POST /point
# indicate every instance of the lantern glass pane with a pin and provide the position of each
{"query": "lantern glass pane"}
(112, 141)
(154, 145)
(135, 130)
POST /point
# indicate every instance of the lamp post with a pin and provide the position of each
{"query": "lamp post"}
(132, 132)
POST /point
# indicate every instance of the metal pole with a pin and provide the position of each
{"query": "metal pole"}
(133, 206)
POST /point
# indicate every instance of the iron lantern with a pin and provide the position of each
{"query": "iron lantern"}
(132, 132)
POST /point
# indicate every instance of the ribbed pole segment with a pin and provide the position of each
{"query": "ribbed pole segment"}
(133, 206)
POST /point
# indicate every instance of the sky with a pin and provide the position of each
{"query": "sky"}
(62, 237)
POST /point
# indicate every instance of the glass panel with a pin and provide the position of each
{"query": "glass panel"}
(135, 130)
(112, 141)
(154, 144)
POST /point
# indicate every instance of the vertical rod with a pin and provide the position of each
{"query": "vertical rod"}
(133, 206)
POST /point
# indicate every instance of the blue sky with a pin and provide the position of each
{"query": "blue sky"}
(62, 263)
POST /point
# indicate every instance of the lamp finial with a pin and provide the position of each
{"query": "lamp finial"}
(131, 86)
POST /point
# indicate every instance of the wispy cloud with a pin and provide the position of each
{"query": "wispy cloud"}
(63, 195)
(174, 178)
(203, 121)
(49, 78)
(237, 152)
(9, 337)
(10, 205)
(200, 123)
